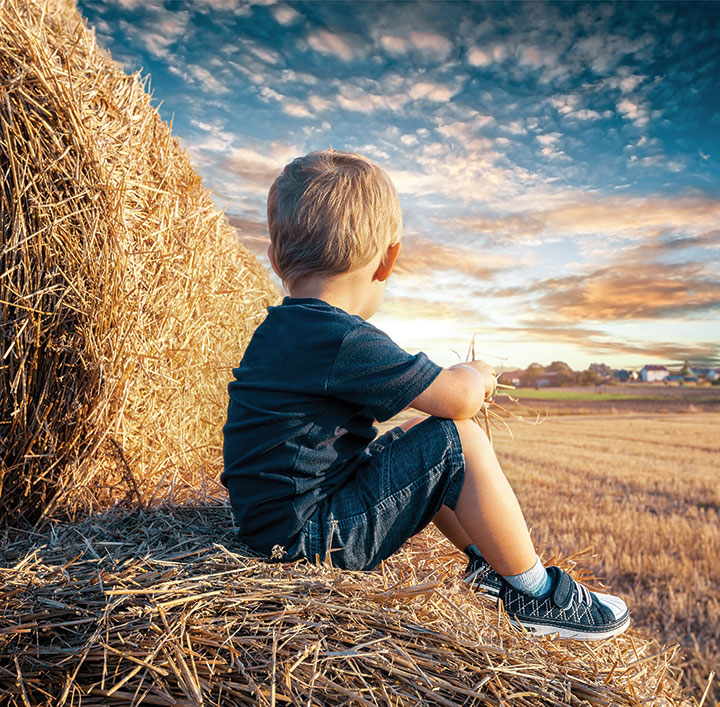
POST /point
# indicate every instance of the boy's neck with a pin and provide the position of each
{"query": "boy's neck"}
(354, 292)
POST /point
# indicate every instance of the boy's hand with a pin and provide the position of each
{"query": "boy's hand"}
(458, 392)
(486, 372)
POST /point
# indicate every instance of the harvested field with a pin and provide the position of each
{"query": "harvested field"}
(157, 608)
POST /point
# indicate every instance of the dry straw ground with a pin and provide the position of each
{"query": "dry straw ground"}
(124, 294)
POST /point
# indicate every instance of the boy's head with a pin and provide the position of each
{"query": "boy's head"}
(331, 212)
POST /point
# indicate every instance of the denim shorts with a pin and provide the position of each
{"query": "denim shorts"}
(395, 494)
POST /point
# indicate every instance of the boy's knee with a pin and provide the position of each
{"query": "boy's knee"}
(471, 433)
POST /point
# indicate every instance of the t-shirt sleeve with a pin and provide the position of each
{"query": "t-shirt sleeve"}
(372, 371)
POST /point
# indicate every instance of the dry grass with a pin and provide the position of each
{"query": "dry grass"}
(156, 608)
(644, 492)
(125, 297)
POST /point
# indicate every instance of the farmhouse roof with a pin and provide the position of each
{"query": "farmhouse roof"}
(654, 367)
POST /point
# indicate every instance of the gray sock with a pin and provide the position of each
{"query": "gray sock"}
(535, 581)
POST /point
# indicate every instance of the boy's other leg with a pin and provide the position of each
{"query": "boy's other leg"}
(448, 524)
(487, 510)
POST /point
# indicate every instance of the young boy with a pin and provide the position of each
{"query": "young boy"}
(306, 476)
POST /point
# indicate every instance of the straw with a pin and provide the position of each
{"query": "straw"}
(159, 608)
(125, 297)
(492, 414)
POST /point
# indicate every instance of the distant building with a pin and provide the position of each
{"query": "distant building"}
(544, 380)
(710, 374)
(653, 373)
(621, 376)
(512, 377)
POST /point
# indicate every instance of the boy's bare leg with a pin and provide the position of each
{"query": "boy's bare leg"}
(488, 511)
(448, 524)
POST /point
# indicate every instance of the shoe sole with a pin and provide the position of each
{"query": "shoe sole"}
(577, 634)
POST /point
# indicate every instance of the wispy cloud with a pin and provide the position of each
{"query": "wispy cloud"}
(626, 291)
(422, 256)
(630, 218)
(332, 44)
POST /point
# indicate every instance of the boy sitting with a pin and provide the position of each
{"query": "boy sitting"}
(306, 475)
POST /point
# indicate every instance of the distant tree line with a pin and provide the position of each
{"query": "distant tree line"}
(558, 373)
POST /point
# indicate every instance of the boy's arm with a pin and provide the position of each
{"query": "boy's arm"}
(458, 392)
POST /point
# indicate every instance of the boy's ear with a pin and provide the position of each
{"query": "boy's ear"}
(273, 263)
(387, 264)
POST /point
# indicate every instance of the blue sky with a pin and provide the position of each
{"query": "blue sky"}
(558, 164)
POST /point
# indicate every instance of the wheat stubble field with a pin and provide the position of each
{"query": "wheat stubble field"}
(640, 487)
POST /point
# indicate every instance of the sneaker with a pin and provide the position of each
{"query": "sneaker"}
(482, 577)
(569, 609)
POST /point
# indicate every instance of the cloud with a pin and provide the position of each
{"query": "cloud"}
(331, 44)
(618, 217)
(432, 91)
(284, 14)
(625, 291)
(296, 109)
(636, 112)
(548, 139)
(260, 166)
(597, 342)
(479, 57)
(569, 107)
(252, 232)
(429, 44)
(421, 256)
(208, 82)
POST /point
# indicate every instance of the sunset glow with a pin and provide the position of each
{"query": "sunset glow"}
(558, 164)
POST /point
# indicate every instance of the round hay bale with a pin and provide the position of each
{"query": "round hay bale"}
(125, 296)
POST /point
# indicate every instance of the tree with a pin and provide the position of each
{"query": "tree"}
(564, 375)
(589, 377)
(532, 373)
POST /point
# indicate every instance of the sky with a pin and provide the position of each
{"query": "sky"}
(558, 164)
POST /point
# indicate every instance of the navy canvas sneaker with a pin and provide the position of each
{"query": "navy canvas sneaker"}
(568, 609)
(482, 577)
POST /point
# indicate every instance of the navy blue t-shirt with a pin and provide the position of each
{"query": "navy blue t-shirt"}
(309, 387)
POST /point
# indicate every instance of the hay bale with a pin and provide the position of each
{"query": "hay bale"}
(124, 295)
(157, 608)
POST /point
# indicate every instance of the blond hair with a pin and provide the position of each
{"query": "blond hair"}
(331, 212)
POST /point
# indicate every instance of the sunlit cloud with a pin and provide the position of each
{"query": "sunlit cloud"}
(421, 256)
(285, 15)
(331, 44)
(626, 291)
(612, 216)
